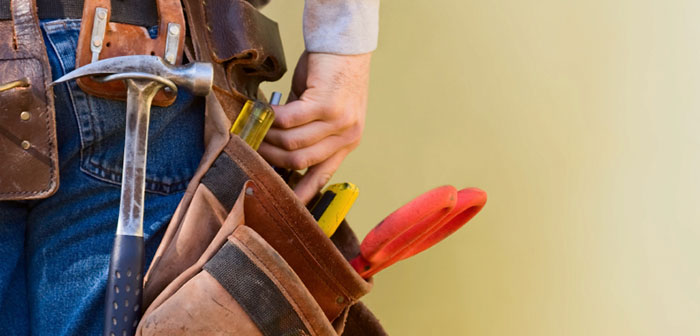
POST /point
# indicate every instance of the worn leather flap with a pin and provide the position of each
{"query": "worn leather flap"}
(247, 41)
(28, 151)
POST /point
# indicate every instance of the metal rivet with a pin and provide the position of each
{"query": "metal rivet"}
(209, 28)
(249, 191)
(102, 15)
(25, 115)
(174, 30)
(96, 42)
(26, 144)
(340, 300)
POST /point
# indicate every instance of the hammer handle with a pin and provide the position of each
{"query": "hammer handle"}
(123, 305)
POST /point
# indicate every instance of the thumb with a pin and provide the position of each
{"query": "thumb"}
(317, 176)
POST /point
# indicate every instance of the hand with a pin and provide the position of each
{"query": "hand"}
(324, 124)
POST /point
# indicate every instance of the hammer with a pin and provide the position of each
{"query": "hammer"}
(144, 77)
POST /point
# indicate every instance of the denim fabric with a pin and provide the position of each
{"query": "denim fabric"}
(54, 253)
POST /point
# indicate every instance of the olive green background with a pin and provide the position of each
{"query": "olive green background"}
(579, 118)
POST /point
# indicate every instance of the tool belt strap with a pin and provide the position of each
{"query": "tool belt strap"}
(135, 12)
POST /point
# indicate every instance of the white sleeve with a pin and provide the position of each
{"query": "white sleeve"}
(345, 27)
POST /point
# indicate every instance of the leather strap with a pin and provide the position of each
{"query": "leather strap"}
(135, 12)
(28, 150)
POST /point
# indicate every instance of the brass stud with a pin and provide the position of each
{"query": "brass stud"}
(26, 144)
(340, 300)
(25, 115)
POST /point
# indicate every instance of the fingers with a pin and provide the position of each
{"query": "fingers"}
(302, 136)
(302, 158)
(317, 176)
(296, 113)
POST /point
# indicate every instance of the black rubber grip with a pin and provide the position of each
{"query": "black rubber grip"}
(123, 305)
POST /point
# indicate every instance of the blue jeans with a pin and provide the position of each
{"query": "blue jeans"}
(54, 253)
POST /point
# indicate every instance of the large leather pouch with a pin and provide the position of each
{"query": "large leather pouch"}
(28, 151)
(240, 285)
(308, 263)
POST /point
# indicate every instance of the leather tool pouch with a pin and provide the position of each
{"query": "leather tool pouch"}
(259, 265)
(242, 255)
(28, 152)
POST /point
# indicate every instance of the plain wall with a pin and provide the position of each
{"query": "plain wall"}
(579, 118)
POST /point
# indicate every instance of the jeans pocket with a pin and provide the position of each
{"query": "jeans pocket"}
(175, 137)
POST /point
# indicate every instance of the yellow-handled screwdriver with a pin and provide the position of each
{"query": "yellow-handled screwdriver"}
(255, 120)
(333, 205)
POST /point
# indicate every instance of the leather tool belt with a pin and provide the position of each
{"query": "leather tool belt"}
(28, 151)
(241, 254)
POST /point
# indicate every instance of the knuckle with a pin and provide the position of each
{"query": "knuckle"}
(355, 132)
(298, 162)
(290, 143)
(333, 112)
(284, 121)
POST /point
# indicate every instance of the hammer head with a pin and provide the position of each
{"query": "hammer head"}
(197, 77)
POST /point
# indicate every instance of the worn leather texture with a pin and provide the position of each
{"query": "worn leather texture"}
(198, 304)
(265, 205)
(28, 150)
(287, 226)
(124, 39)
(240, 32)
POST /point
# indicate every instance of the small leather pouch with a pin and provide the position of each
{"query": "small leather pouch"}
(28, 151)
(242, 43)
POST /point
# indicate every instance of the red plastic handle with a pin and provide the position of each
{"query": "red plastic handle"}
(416, 226)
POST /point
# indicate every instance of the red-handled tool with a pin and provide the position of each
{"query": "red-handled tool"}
(416, 226)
